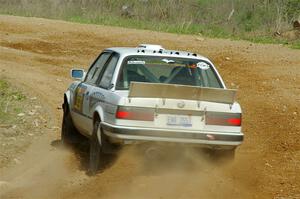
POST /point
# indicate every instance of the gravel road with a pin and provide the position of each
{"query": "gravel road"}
(37, 54)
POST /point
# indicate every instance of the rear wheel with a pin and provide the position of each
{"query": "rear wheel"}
(96, 149)
(69, 133)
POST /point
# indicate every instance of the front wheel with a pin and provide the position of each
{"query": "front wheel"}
(69, 133)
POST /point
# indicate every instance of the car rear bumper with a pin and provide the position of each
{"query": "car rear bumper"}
(170, 135)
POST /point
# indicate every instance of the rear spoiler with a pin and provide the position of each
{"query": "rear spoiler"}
(173, 91)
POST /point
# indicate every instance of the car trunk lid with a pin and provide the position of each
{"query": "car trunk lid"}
(174, 106)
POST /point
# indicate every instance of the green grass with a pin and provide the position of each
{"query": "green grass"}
(207, 30)
(11, 102)
(271, 40)
(184, 28)
(296, 45)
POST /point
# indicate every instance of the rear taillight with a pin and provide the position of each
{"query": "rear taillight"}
(223, 119)
(135, 113)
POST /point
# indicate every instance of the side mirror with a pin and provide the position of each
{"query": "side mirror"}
(77, 74)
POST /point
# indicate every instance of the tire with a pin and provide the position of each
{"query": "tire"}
(96, 150)
(69, 133)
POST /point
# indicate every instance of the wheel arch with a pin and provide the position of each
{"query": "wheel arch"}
(98, 114)
(66, 100)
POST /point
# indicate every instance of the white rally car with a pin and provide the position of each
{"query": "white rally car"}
(151, 94)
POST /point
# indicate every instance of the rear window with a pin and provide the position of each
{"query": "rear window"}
(167, 70)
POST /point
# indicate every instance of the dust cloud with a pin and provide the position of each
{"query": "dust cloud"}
(175, 171)
(138, 171)
(44, 172)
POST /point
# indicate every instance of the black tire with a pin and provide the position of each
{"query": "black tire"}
(96, 150)
(69, 133)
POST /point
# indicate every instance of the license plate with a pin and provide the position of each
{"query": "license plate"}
(176, 120)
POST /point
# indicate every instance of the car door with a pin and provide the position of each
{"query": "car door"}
(102, 94)
(81, 112)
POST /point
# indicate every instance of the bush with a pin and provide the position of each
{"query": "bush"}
(221, 18)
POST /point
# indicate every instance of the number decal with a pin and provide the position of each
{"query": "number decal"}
(79, 96)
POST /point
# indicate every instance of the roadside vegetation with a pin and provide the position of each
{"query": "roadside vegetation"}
(266, 21)
(20, 123)
(10, 103)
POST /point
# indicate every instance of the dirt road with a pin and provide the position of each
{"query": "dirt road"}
(36, 55)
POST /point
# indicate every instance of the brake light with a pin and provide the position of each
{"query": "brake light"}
(122, 114)
(223, 119)
(135, 113)
(234, 121)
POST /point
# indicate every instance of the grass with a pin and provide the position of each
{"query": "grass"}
(184, 28)
(271, 40)
(296, 45)
(204, 17)
(11, 102)
(211, 31)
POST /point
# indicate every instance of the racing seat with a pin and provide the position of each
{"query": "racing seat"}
(133, 75)
(183, 76)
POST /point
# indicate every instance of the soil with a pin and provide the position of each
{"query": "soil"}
(21, 122)
(37, 54)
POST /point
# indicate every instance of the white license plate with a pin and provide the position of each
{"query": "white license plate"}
(178, 120)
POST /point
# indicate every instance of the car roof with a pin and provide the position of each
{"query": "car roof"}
(127, 51)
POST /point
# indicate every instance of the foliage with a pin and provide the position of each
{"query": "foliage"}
(215, 18)
(10, 102)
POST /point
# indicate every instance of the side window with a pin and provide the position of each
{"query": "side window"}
(109, 71)
(96, 68)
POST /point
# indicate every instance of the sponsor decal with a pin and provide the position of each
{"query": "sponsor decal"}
(168, 61)
(136, 62)
(203, 65)
(94, 98)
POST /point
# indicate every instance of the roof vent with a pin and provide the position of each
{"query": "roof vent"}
(151, 47)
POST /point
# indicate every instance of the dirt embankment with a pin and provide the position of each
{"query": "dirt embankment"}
(36, 54)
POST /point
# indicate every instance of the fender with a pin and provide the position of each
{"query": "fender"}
(68, 94)
(98, 111)
(67, 97)
(66, 101)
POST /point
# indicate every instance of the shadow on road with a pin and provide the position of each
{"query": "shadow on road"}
(81, 151)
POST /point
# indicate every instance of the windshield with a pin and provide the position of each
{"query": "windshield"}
(168, 70)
